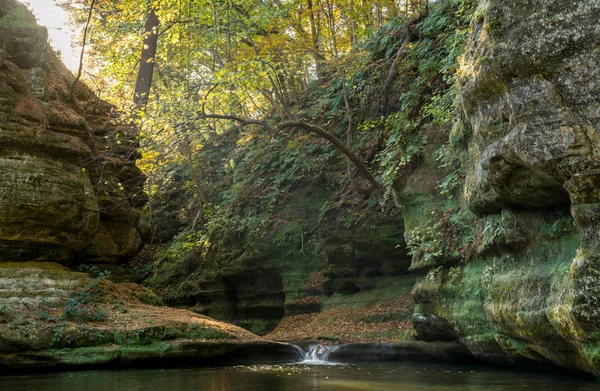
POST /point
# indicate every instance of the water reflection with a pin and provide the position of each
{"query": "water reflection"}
(367, 377)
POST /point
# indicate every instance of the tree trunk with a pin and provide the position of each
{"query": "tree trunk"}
(315, 41)
(147, 60)
(85, 32)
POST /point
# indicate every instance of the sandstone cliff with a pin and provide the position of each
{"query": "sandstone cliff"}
(70, 193)
(69, 187)
(507, 255)
(524, 284)
(499, 206)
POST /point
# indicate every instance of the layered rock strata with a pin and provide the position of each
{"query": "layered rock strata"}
(69, 187)
(524, 282)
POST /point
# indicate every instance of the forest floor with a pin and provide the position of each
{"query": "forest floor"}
(379, 315)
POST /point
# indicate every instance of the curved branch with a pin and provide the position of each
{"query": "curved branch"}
(360, 165)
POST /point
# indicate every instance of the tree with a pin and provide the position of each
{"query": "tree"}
(236, 56)
(147, 60)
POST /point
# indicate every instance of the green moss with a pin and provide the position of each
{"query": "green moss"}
(107, 354)
(460, 135)
(46, 266)
(592, 351)
(386, 289)
(516, 292)
(486, 338)
(259, 326)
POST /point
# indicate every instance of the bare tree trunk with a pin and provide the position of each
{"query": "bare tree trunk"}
(147, 60)
(85, 32)
(352, 25)
(350, 130)
(315, 41)
(366, 5)
(331, 24)
(392, 75)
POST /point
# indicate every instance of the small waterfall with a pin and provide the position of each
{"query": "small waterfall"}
(315, 354)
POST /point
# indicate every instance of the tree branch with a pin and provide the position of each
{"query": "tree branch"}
(385, 104)
(362, 168)
(85, 31)
(243, 121)
(360, 165)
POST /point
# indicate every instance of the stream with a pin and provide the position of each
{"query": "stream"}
(301, 377)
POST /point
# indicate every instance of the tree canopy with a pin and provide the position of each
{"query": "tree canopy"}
(240, 101)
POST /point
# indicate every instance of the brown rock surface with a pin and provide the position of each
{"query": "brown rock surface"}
(51, 317)
(69, 187)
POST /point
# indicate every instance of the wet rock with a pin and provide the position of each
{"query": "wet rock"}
(252, 299)
(431, 328)
(54, 318)
(356, 256)
(167, 353)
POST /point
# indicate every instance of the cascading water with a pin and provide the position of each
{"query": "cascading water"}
(315, 354)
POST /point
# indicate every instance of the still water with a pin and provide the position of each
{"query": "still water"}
(295, 377)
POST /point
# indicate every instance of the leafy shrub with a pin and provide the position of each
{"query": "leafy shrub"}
(81, 306)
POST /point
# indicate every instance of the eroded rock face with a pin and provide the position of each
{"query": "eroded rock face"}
(69, 187)
(53, 318)
(529, 89)
(356, 256)
(529, 138)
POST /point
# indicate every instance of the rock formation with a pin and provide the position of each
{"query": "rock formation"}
(70, 192)
(69, 187)
(527, 286)
(508, 258)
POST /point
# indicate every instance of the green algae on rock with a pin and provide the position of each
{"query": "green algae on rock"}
(36, 333)
(528, 140)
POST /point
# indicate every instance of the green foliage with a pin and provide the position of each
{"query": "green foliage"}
(230, 198)
(6, 314)
(81, 306)
(45, 316)
(268, 190)
(448, 159)
(425, 242)
(60, 337)
(427, 75)
(403, 145)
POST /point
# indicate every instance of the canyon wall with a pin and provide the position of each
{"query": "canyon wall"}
(523, 283)
(69, 187)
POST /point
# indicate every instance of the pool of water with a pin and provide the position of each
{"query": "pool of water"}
(302, 377)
